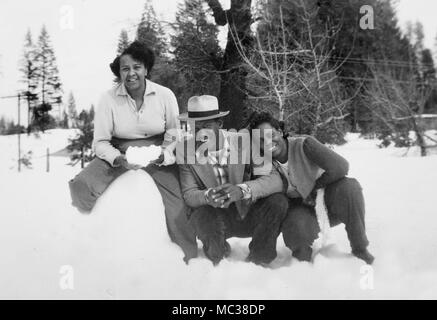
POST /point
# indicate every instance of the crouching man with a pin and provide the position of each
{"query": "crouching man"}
(224, 201)
(307, 165)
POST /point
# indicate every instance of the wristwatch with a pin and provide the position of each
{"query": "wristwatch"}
(247, 192)
(206, 195)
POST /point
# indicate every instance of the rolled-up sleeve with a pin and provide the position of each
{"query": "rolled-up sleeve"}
(103, 132)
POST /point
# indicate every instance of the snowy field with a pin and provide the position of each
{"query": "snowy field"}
(122, 250)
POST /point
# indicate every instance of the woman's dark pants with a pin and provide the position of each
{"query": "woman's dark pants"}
(345, 204)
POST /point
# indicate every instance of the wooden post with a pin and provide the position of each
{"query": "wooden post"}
(48, 160)
(19, 135)
(28, 111)
(82, 161)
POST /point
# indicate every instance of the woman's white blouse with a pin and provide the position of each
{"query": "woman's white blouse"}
(117, 116)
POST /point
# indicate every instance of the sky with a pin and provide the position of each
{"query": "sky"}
(84, 35)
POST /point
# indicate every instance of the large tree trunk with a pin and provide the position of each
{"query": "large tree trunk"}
(233, 77)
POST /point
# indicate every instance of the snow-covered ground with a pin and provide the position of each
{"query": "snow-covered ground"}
(49, 250)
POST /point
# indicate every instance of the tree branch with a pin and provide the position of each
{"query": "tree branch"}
(218, 12)
(332, 119)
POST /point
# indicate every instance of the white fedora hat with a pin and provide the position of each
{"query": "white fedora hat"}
(202, 108)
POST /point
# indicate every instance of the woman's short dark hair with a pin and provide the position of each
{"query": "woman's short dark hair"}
(139, 52)
(264, 117)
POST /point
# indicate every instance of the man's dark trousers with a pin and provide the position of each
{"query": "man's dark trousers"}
(263, 223)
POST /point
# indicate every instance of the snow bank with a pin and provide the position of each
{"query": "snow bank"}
(122, 250)
(55, 140)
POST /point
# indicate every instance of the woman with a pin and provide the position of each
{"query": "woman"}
(137, 112)
(306, 166)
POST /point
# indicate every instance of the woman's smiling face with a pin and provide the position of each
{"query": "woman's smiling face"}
(272, 138)
(132, 72)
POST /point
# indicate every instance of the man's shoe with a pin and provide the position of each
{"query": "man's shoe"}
(364, 254)
(259, 262)
(303, 253)
(83, 211)
(216, 252)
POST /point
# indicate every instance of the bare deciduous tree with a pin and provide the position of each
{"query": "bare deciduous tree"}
(295, 73)
(397, 99)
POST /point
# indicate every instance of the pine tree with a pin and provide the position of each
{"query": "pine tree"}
(419, 38)
(196, 49)
(30, 74)
(429, 80)
(2, 125)
(72, 111)
(92, 112)
(123, 42)
(435, 48)
(150, 31)
(49, 84)
(422, 55)
(428, 67)
(64, 121)
(409, 30)
(81, 146)
(42, 120)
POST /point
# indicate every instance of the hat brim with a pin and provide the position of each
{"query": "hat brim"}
(185, 117)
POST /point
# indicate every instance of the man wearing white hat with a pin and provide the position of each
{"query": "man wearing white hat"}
(224, 200)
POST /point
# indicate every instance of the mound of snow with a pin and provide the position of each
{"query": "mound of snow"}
(128, 233)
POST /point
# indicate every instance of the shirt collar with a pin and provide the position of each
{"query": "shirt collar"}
(150, 89)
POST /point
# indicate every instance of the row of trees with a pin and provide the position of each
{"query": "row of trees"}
(42, 88)
(68, 120)
(10, 127)
(308, 62)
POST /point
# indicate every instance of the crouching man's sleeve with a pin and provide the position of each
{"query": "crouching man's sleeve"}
(192, 192)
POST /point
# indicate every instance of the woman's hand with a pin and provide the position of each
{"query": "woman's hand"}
(158, 161)
(311, 199)
(121, 161)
